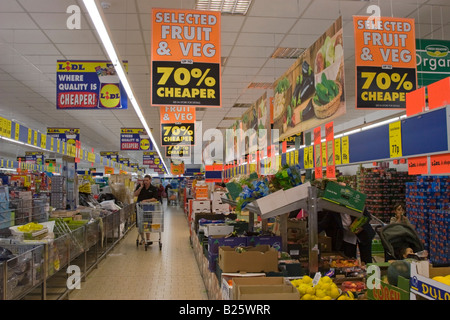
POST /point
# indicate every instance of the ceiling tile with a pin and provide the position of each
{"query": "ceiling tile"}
(16, 21)
(268, 25)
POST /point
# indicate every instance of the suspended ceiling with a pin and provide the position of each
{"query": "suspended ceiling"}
(34, 35)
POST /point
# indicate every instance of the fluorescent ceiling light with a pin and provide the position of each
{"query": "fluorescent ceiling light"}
(97, 19)
(225, 6)
(380, 123)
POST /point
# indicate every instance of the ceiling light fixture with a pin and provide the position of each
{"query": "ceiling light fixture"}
(224, 6)
(97, 19)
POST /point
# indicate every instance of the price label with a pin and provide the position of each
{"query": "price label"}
(43, 141)
(337, 151)
(178, 134)
(35, 140)
(324, 154)
(318, 155)
(30, 136)
(345, 150)
(311, 157)
(395, 139)
(17, 132)
(306, 158)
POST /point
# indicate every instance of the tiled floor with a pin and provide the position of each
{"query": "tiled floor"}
(131, 273)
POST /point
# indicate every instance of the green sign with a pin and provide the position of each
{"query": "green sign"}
(433, 60)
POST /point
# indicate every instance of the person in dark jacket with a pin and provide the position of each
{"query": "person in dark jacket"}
(332, 224)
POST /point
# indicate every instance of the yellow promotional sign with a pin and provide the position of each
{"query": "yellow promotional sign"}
(324, 154)
(345, 150)
(30, 136)
(395, 139)
(337, 150)
(17, 132)
(311, 157)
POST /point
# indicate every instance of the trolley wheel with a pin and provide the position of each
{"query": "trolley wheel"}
(146, 247)
(160, 246)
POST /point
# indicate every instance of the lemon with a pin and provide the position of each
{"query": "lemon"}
(343, 298)
(334, 292)
(307, 279)
(307, 297)
(350, 295)
(326, 279)
(320, 293)
(311, 290)
(327, 298)
(302, 289)
(444, 280)
(326, 286)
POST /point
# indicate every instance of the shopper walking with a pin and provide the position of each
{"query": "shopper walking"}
(145, 191)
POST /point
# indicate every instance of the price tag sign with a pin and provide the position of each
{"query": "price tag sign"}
(345, 150)
(17, 132)
(395, 139)
(337, 150)
(311, 157)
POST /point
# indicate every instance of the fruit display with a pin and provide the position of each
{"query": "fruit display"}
(443, 279)
(344, 263)
(353, 286)
(325, 289)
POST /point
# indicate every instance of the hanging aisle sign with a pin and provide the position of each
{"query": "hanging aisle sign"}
(89, 85)
(68, 135)
(134, 139)
(186, 58)
(385, 51)
(177, 126)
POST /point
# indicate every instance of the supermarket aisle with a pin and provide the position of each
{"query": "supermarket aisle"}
(131, 273)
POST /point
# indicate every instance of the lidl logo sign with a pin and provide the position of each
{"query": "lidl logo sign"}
(145, 144)
(110, 96)
(68, 66)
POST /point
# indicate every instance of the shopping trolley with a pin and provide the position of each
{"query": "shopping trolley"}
(172, 197)
(150, 220)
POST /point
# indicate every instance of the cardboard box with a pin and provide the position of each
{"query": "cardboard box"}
(344, 195)
(325, 244)
(254, 281)
(254, 259)
(214, 242)
(227, 286)
(422, 283)
(220, 207)
(273, 241)
(218, 230)
(390, 292)
(201, 206)
(268, 292)
(218, 195)
(271, 202)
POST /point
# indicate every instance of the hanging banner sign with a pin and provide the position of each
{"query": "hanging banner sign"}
(317, 153)
(34, 157)
(329, 135)
(149, 157)
(311, 92)
(385, 51)
(134, 139)
(68, 135)
(179, 114)
(111, 155)
(87, 85)
(186, 58)
(178, 151)
(178, 134)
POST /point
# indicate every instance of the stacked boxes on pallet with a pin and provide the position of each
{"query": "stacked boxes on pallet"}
(428, 209)
(383, 188)
(58, 192)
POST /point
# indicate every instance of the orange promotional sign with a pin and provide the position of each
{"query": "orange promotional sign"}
(179, 114)
(418, 165)
(186, 57)
(385, 52)
(440, 164)
(329, 136)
